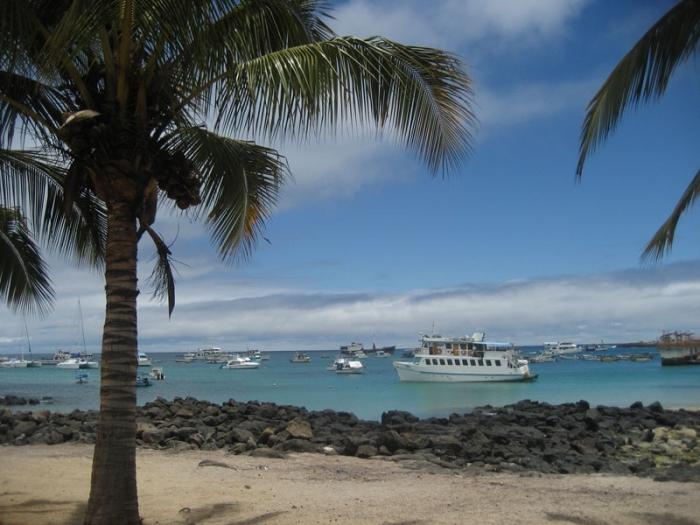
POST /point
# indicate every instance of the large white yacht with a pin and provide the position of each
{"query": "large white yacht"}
(463, 360)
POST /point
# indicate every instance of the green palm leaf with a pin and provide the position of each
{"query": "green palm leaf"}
(33, 182)
(662, 240)
(642, 75)
(240, 183)
(420, 93)
(24, 281)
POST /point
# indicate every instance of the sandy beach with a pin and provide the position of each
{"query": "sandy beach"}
(49, 485)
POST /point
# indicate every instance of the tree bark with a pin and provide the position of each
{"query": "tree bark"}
(113, 496)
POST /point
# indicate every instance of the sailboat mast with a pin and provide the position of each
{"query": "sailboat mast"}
(82, 326)
(29, 344)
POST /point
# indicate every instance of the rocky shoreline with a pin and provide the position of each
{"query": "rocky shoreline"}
(526, 436)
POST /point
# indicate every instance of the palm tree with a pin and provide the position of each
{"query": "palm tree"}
(133, 105)
(643, 75)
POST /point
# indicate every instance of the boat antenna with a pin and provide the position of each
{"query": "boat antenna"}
(82, 326)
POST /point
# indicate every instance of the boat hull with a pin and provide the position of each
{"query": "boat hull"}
(410, 372)
(680, 355)
(68, 366)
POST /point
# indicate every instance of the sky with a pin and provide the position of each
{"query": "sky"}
(366, 245)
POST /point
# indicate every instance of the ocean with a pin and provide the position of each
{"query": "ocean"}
(378, 389)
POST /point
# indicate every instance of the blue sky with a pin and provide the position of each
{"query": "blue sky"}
(365, 244)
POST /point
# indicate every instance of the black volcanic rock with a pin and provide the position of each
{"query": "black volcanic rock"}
(528, 435)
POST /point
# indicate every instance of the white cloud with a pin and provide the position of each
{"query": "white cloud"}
(623, 306)
(525, 102)
(453, 23)
(330, 169)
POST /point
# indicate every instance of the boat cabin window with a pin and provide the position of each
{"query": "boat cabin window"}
(488, 362)
(448, 346)
(427, 361)
(462, 346)
(465, 362)
(473, 362)
(434, 361)
(457, 361)
(498, 362)
(481, 362)
(442, 361)
(449, 361)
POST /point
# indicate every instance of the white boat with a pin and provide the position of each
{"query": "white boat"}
(157, 374)
(87, 363)
(144, 360)
(14, 363)
(211, 352)
(346, 366)
(185, 358)
(241, 363)
(544, 357)
(72, 363)
(557, 348)
(463, 360)
(257, 355)
(218, 359)
(300, 357)
(354, 350)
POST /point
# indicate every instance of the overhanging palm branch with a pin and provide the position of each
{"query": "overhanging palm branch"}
(662, 240)
(643, 75)
(34, 182)
(24, 281)
(422, 94)
(240, 183)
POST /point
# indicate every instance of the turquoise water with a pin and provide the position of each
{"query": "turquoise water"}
(378, 389)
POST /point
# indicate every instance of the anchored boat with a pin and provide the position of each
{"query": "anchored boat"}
(463, 360)
(679, 348)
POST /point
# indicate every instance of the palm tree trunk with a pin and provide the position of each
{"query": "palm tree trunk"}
(113, 497)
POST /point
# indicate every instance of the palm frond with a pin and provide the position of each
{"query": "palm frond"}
(422, 94)
(35, 105)
(642, 75)
(240, 184)
(33, 182)
(662, 241)
(24, 282)
(162, 278)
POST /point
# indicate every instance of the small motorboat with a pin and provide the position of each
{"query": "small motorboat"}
(241, 363)
(300, 357)
(348, 366)
(143, 360)
(142, 381)
(157, 374)
(81, 378)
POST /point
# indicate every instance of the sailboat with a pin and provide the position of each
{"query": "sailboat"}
(86, 360)
(17, 363)
(31, 363)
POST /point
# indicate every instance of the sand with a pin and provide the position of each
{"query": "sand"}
(49, 484)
